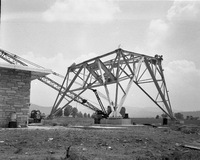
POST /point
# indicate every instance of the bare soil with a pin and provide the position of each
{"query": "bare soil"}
(99, 143)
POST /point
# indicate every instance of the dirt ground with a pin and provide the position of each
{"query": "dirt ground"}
(99, 143)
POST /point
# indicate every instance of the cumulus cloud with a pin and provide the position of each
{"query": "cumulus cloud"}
(183, 71)
(184, 10)
(41, 93)
(82, 10)
(178, 31)
(27, 16)
(85, 57)
(57, 63)
(157, 32)
(183, 79)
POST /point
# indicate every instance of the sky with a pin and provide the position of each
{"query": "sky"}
(56, 33)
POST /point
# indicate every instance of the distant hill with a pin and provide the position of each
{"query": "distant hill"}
(140, 112)
(148, 112)
(191, 113)
(42, 109)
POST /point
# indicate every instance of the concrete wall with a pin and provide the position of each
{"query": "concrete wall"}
(14, 95)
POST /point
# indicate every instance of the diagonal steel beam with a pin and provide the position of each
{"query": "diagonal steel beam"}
(172, 117)
(158, 87)
(68, 87)
(107, 71)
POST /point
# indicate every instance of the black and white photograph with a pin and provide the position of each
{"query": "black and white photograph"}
(99, 79)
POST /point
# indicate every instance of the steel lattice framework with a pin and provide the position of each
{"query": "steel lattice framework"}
(119, 69)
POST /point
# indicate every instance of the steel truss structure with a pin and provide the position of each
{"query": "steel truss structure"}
(113, 68)
(118, 69)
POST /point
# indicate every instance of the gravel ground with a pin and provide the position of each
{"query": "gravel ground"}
(97, 143)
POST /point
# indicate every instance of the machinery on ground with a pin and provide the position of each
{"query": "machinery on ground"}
(35, 116)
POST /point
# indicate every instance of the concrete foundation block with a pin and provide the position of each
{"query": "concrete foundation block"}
(116, 121)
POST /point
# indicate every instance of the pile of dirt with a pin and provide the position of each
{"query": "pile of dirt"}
(187, 129)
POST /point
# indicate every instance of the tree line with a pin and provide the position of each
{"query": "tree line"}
(72, 111)
(179, 116)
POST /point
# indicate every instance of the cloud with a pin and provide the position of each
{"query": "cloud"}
(21, 16)
(184, 10)
(85, 57)
(57, 62)
(183, 79)
(183, 73)
(82, 11)
(42, 94)
(157, 32)
(178, 32)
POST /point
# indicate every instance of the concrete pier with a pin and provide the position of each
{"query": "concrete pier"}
(116, 121)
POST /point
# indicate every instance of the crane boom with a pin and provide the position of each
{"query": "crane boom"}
(99, 100)
(17, 60)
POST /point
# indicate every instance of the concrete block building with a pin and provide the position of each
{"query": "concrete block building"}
(15, 85)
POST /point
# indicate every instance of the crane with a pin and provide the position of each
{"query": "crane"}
(71, 96)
